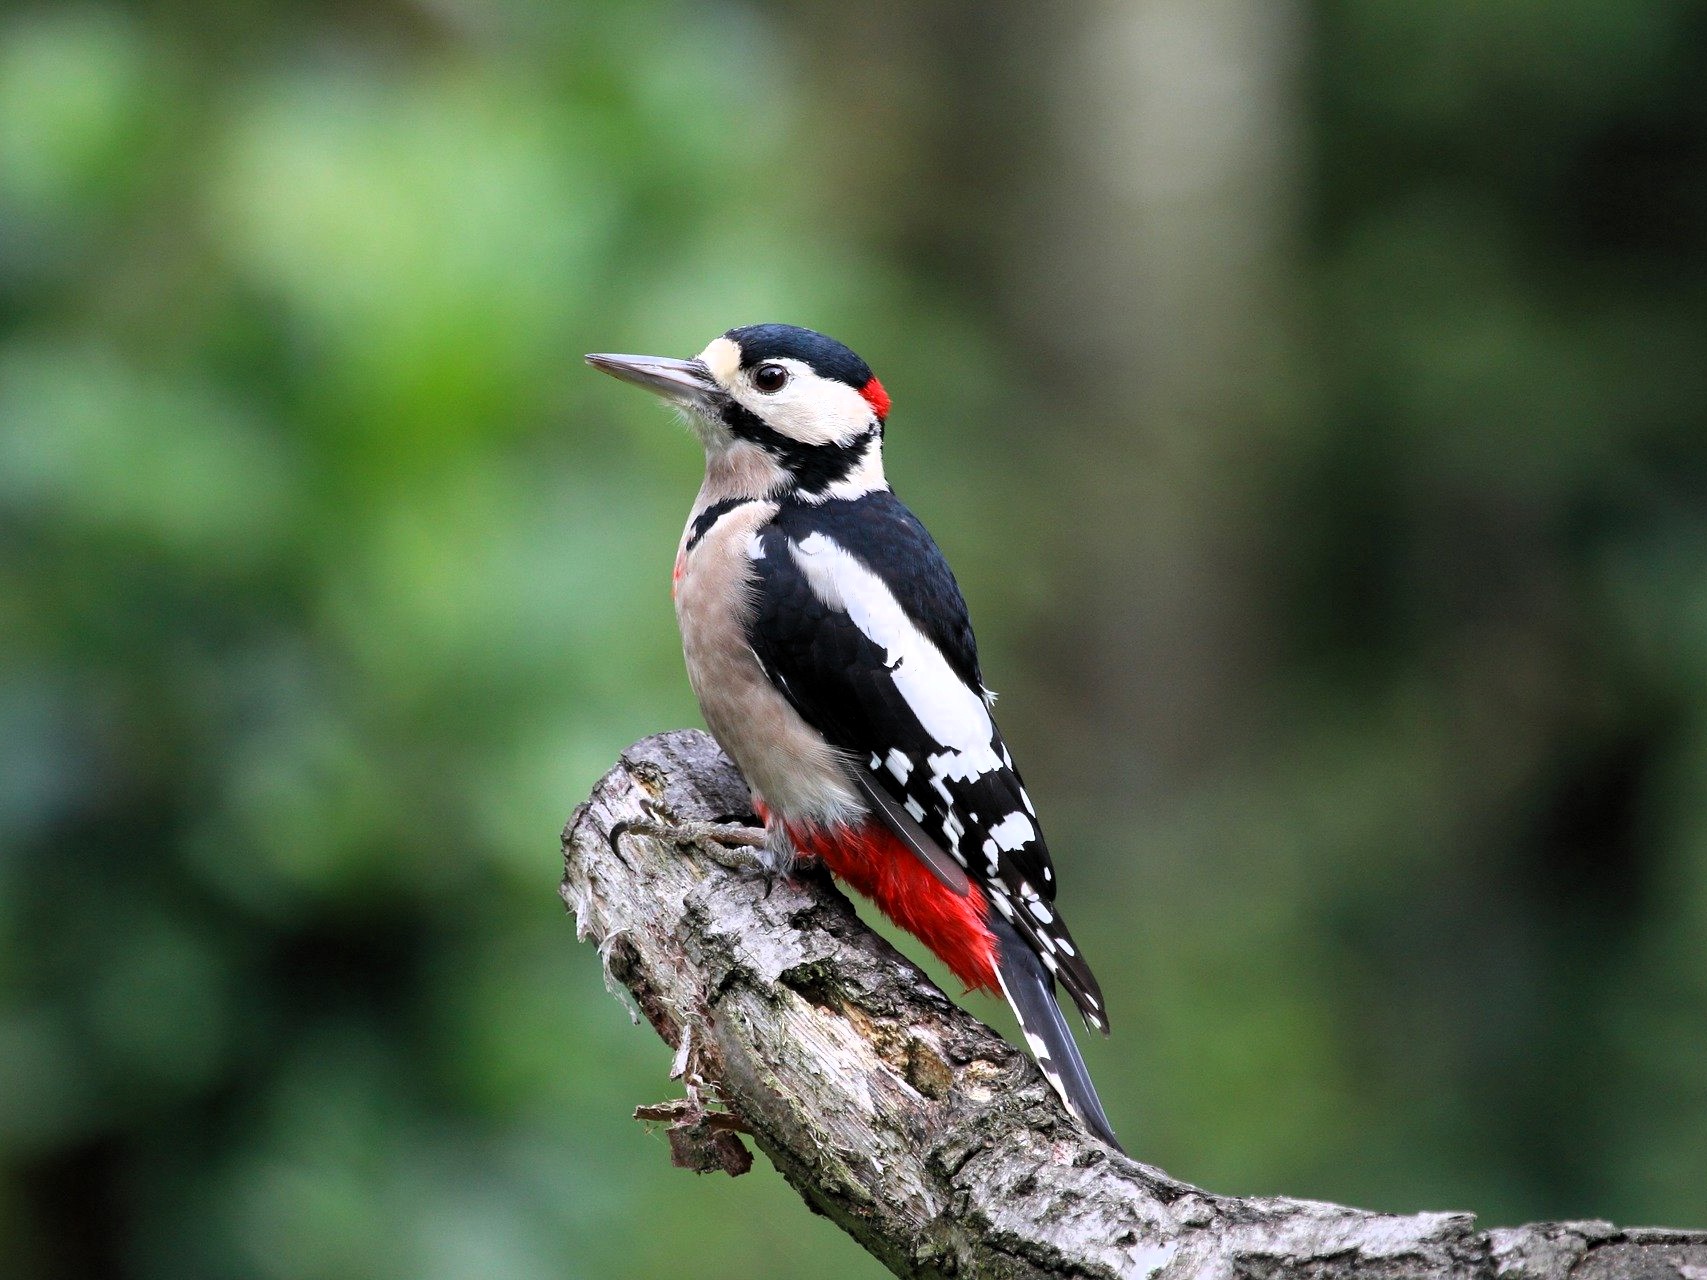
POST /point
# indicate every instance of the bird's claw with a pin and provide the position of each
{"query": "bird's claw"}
(719, 841)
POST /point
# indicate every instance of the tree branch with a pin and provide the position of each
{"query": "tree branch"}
(913, 1126)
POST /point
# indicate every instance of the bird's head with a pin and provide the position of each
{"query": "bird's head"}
(795, 400)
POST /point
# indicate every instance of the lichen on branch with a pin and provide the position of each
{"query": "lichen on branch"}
(922, 1133)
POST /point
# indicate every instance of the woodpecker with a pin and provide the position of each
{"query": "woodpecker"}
(833, 658)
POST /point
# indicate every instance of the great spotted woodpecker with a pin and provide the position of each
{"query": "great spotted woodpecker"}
(831, 652)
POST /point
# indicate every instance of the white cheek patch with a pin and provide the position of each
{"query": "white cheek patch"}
(809, 408)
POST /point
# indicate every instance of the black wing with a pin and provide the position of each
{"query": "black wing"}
(859, 621)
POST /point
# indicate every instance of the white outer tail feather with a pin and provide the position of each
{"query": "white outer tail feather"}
(1030, 993)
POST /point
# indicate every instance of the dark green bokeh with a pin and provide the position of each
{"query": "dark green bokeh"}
(1312, 402)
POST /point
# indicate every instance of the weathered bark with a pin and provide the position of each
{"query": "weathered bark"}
(914, 1127)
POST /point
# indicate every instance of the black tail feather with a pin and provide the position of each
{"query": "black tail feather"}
(1031, 993)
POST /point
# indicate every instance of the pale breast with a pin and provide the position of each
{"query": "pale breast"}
(788, 763)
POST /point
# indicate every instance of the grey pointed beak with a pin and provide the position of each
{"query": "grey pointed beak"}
(684, 381)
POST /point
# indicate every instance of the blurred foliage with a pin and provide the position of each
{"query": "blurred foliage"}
(331, 581)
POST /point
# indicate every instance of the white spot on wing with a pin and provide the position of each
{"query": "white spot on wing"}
(953, 828)
(899, 766)
(963, 766)
(916, 811)
(1013, 832)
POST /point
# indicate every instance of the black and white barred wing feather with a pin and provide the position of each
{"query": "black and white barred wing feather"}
(858, 620)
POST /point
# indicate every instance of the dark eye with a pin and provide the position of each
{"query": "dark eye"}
(770, 377)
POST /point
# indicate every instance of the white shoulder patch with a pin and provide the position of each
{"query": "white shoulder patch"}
(952, 712)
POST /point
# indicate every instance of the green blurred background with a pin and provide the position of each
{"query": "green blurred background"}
(1310, 397)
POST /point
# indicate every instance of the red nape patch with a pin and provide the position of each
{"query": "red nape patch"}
(873, 861)
(876, 397)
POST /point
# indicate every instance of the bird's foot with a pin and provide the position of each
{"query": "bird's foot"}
(729, 844)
